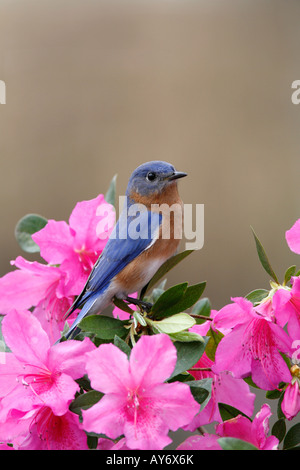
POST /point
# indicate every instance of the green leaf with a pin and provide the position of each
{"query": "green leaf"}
(229, 412)
(187, 355)
(157, 292)
(292, 438)
(280, 413)
(279, 429)
(173, 324)
(103, 327)
(92, 442)
(186, 336)
(122, 305)
(273, 394)
(289, 273)
(85, 401)
(202, 307)
(27, 226)
(215, 337)
(256, 296)
(124, 347)
(190, 296)
(177, 299)
(110, 195)
(231, 443)
(201, 390)
(168, 300)
(138, 318)
(263, 258)
(165, 268)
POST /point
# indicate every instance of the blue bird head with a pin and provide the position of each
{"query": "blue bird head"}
(152, 177)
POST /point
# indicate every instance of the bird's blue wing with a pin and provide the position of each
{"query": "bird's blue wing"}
(131, 236)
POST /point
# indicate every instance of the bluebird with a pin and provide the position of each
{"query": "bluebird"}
(131, 257)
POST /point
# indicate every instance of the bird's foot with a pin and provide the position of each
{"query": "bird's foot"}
(144, 306)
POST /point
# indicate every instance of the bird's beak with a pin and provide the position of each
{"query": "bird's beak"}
(176, 175)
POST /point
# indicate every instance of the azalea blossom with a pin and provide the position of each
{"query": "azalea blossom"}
(255, 432)
(50, 432)
(38, 285)
(286, 307)
(253, 345)
(32, 282)
(35, 373)
(41, 429)
(76, 246)
(225, 388)
(293, 237)
(290, 404)
(137, 402)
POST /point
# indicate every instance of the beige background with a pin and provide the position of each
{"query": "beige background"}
(96, 88)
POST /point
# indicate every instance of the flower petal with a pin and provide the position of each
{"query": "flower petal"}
(69, 357)
(105, 417)
(293, 237)
(108, 369)
(152, 360)
(25, 337)
(55, 241)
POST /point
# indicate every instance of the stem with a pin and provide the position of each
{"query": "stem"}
(202, 369)
(201, 316)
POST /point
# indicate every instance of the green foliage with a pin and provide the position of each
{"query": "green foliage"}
(187, 355)
(279, 429)
(104, 327)
(292, 438)
(231, 443)
(289, 273)
(263, 258)
(229, 412)
(122, 345)
(201, 310)
(176, 299)
(201, 390)
(27, 226)
(257, 295)
(214, 338)
(85, 401)
(110, 195)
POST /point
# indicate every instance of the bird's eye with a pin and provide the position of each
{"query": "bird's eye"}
(151, 176)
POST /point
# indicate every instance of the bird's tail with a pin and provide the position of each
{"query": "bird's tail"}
(84, 311)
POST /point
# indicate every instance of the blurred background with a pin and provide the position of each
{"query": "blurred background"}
(96, 88)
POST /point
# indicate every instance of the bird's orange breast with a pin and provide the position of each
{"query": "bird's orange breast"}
(137, 273)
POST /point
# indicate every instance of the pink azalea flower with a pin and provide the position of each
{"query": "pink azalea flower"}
(255, 432)
(293, 237)
(35, 284)
(36, 373)
(291, 401)
(225, 389)
(76, 246)
(252, 347)
(286, 306)
(137, 403)
(50, 432)
(40, 429)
